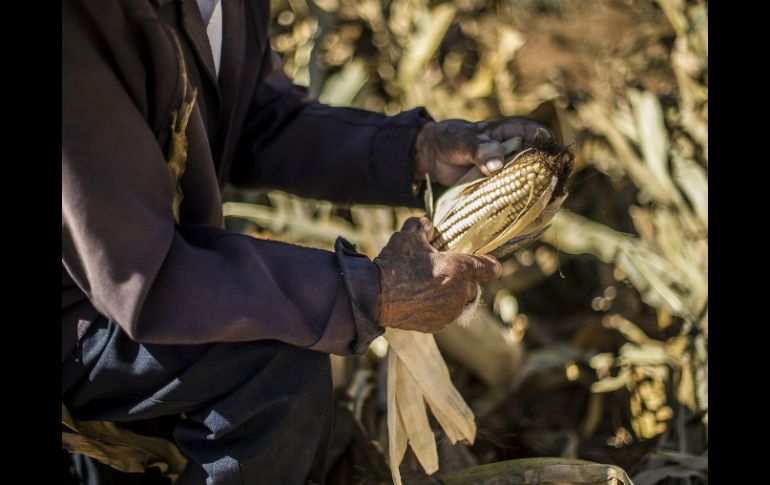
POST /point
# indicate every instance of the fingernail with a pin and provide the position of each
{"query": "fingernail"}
(494, 165)
(496, 262)
(498, 269)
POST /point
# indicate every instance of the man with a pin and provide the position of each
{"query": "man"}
(166, 313)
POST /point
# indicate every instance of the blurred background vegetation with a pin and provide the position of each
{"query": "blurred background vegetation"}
(593, 344)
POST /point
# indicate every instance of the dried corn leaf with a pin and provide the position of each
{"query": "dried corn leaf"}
(539, 471)
(341, 88)
(397, 439)
(613, 383)
(652, 353)
(425, 43)
(685, 391)
(421, 356)
(414, 416)
(694, 183)
(121, 449)
(658, 281)
(284, 218)
(653, 138)
(598, 118)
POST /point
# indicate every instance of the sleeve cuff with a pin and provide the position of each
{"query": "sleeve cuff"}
(393, 154)
(363, 286)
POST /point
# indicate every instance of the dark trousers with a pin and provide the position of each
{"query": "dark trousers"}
(248, 413)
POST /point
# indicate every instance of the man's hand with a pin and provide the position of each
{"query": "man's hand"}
(424, 289)
(446, 150)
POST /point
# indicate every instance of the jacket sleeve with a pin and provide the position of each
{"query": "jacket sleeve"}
(294, 143)
(183, 284)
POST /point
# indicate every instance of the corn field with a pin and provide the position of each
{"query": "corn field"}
(594, 343)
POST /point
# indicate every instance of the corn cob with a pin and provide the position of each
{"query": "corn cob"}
(480, 214)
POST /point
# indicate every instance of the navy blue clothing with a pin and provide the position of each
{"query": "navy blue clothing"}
(123, 256)
(254, 412)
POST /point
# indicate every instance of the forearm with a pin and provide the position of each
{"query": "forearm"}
(341, 154)
(214, 286)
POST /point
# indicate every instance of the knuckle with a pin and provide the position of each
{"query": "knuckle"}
(410, 223)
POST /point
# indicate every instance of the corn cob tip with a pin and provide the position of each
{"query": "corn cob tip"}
(558, 160)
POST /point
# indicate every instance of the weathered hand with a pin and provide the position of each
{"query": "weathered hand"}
(424, 289)
(447, 149)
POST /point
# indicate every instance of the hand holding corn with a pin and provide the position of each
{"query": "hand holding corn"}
(447, 149)
(421, 288)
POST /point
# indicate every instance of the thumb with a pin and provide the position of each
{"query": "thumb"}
(421, 226)
(489, 155)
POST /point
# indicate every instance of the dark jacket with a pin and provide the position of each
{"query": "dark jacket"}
(123, 256)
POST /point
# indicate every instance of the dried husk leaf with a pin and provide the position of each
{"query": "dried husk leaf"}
(411, 407)
(397, 439)
(421, 356)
